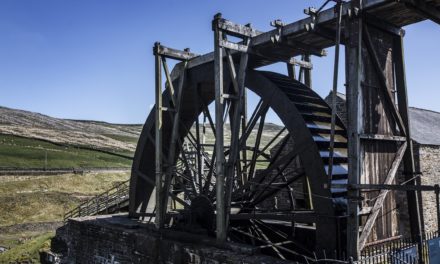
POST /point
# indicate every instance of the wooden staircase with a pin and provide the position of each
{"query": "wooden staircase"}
(111, 201)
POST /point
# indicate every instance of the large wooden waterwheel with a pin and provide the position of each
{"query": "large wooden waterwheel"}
(279, 200)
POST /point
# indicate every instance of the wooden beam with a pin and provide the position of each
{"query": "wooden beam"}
(381, 197)
(234, 29)
(158, 137)
(299, 216)
(174, 139)
(219, 145)
(173, 53)
(391, 187)
(382, 137)
(234, 46)
(353, 57)
(414, 199)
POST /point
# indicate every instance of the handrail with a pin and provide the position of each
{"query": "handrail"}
(110, 198)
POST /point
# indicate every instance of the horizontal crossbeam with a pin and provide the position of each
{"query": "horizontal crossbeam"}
(382, 137)
(234, 29)
(182, 55)
(298, 216)
(391, 187)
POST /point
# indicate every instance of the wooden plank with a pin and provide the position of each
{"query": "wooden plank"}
(382, 80)
(381, 197)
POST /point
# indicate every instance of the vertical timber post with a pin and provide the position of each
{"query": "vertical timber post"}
(219, 147)
(353, 78)
(291, 71)
(308, 72)
(413, 197)
(158, 136)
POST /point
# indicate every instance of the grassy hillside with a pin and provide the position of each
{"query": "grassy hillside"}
(22, 153)
(73, 141)
(32, 207)
(42, 199)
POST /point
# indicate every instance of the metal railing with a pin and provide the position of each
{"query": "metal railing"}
(107, 202)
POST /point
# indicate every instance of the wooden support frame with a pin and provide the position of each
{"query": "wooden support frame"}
(164, 173)
(225, 170)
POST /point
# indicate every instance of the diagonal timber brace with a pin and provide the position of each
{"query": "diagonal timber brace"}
(381, 198)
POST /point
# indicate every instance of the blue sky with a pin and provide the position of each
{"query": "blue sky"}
(92, 59)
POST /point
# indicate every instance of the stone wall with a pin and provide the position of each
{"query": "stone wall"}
(118, 239)
(341, 109)
(430, 168)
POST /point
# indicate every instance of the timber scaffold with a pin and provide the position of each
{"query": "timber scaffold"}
(316, 187)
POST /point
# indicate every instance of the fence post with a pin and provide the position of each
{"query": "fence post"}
(437, 203)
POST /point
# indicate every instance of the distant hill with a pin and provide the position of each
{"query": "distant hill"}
(33, 140)
(27, 138)
(100, 135)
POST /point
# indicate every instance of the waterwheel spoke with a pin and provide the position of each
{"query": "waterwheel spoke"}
(267, 240)
(282, 235)
(270, 190)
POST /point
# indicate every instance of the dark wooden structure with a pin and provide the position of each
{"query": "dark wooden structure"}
(219, 186)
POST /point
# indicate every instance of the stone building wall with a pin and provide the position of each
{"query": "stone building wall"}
(429, 166)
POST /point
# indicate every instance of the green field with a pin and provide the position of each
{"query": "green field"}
(22, 153)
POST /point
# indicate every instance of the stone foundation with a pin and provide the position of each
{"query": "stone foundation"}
(118, 239)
